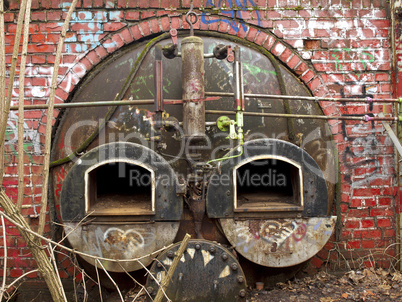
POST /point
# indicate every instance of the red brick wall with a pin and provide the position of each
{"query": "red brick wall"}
(337, 48)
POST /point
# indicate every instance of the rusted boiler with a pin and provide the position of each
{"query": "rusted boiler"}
(195, 152)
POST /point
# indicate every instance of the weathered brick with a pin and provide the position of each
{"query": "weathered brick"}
(154, 24)
(270, 41)
(260, 38)
(132, 15)
(252, 34)
(165, 23)
(136, 32)
(145, 28)
(113, 26)
(126, 36)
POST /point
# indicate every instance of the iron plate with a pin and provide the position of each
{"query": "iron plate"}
(207, 271)
(128, 241)
(279, 242)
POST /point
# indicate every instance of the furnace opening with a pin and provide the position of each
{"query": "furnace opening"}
(120, 188)
(268, 184)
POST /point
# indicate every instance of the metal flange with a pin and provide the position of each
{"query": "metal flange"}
(206, 272)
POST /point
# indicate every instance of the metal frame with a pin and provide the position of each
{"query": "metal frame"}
(133, 162)
(263, 209)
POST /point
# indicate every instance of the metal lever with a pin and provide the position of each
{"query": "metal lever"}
(171, 51)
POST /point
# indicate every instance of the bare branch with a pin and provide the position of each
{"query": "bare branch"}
(42, 215)
(51, 253)
(99, 284)
(2, 81)
(20, 277)
(3, 286)
(21, 107)
(6, 108)
(111, 279)
(136, 282)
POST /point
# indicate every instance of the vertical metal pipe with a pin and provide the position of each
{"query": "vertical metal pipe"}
(192, 56)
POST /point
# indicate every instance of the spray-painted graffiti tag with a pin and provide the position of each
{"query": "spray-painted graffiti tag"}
(233, 10)
(31, 138)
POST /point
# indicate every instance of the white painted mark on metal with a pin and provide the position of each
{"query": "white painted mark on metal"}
(160, 276)
(191, 252)
(207, 257)
(167, 261)
(225, 272)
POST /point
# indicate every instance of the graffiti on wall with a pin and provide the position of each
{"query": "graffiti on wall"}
(364, 143)
(90, 29)
(31, 139)
(232, 10)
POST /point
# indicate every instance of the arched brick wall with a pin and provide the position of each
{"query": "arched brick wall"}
(333, 48)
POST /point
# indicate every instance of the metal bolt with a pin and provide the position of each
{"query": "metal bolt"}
(81, 196)
(234, 266)
(158, 264)
(170, 254)
(212, 250)
(150, 289)
(240, 279)
(242, 293)
(197, 246)
(224, 256)
(228, 193)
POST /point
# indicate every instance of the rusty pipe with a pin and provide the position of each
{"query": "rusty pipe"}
(306, 98)
(192, 56)
(365, 118)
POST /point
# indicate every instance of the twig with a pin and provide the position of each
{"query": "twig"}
(75, 285)
(99, 283)
(139, 293)
(21, 91)
(6, 108)
(72, 229)
(136, 282)
(20, 277)
(172, 268)
(3, 286)
(111, 279)
(2, 81)
(46, 161)
(85, 288)
(51, 253)
(156, 280)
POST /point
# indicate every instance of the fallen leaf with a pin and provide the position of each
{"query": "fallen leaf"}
(345, 295)
(356, 278)
(368, 293)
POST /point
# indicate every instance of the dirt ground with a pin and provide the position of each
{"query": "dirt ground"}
(360, 285)
(356, 285)
(364, 285)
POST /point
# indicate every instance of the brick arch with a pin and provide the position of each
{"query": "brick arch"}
(145, 29)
